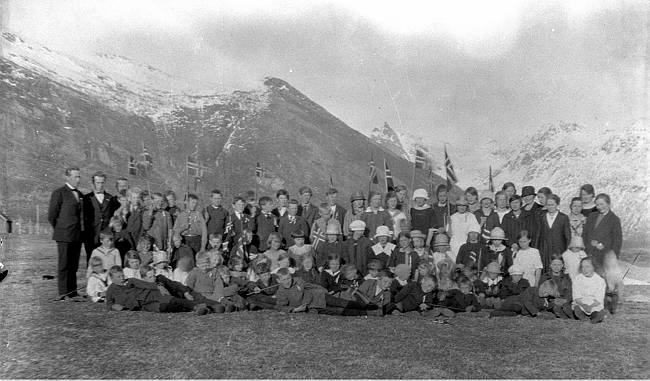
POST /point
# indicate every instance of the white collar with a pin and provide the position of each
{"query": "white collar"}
(369, 210)
(70, 186)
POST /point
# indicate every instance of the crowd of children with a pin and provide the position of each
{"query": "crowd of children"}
(401, 256)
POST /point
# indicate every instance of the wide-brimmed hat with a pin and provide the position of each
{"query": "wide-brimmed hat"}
(498, 233)
(358, 195)
(383, 231)
(298, 233)
(357, 226)
(528, 190)
(441, 240)
(462, 200)
(485, 195)
(420, 193)
(577, 241)
(160, 256)
(333, 228)
(493, 267)
(418, 234)
(515, 270)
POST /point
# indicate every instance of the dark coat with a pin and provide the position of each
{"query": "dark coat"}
(285, 228)
(411, 296)
(215, 219)
(509, 288)
(512, 225)
(96, 215)
(357, 252)
(134, 224)
(608, 232)
(553, 239)
(456, 300)
(64, 214)
(563, 282)
(265, 226)
(310, 215)
(487, 223)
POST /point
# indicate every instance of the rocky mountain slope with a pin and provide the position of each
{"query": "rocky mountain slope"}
(57, 110)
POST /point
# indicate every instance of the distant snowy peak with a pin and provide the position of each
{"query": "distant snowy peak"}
(388, 138)
(567, 155)
(121, 82)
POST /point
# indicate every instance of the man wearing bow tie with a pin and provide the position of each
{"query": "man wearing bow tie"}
(291, 222)
(66, 216)
(98, 207)
(238, 221)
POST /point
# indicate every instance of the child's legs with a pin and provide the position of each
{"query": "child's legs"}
(262, 301)
(332, 301)
(612, 272)
(512, 304)
(597, 316)
(579, 313)
(172, 304)
(437, 311)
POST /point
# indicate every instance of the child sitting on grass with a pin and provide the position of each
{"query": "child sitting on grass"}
(97, 280)
(236, 266)
(183, 267)
(374, 266)
(132, 269)
(161, 264)
(135, 295)
(331, 276)
(415, 296)
(109, 255)
(144, 249)
(349, 283)
(528, 259)
(588, 293)
(405, 254)
(204, 280)
(572, 257)
(123, 240)
(230, 288)
(376, 291)
(307, 271)
(179, 250)
(294, 295)
(534, 302)
(514, 284)
(300, 249)
(382, 249)
(273, 253)
(260, 294)
(487, 288)
(461, 299)
(285, 261)
(469, 252)
(562, 303)
(333, 244)
(424, 254)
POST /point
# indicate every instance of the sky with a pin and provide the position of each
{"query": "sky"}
(464, 72)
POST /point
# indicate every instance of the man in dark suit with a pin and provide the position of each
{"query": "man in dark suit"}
(338, 212)
(98, 207)
(65, 214)
(306, 209)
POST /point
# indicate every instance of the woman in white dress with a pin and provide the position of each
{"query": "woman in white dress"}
(461, 223)
(399, 218)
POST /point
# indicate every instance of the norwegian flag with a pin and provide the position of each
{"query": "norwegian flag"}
(259, 172)
(421, 160)
(133, 168)
(451, 174)
(373, 171)
(389, 177)
(145, 155)
(316, 237)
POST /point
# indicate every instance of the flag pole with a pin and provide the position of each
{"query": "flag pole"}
(413, 175)
(385, 177)
(256, 182)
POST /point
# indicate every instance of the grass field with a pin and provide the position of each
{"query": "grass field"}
(44, 339)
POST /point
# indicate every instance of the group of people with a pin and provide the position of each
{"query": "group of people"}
(381, 254)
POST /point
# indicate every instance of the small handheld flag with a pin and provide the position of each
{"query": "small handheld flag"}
(133, 169)
(389, 177)
(259, 172)
(420, 159)
(317, 236)
(451, 174)
(145, 155)
(373, 171)
(331, 182)
(491, 185)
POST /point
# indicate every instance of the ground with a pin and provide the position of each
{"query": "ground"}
(40, 338)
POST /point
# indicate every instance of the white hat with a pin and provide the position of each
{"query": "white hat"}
(160, 256)
(333, 227)
(420, 193)
(515, 270)
(383, 231)
(357, 226)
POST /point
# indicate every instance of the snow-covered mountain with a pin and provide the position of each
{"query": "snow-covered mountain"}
(564, 156)
(388, 138)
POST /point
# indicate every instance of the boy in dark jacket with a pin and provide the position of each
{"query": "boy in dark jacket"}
(416, 296)
(534, 302)
(514, 284)
(561, 304)
(152, 294)
(260, 294)
(462, 300)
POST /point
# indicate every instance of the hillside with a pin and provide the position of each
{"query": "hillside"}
(58, 110)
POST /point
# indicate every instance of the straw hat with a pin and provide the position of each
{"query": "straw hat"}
(441, 240)
(383, 231)
(493, 267)
(498, 233)
(418, 234)
(420, 193)
(357, 226)
(160, 256)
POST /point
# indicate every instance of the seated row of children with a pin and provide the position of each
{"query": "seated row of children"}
(408, 277)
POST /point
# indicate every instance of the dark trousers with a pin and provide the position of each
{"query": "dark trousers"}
(344, 307)
(173, 304)
(194, 242)
(177, 290)
(68, 265)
